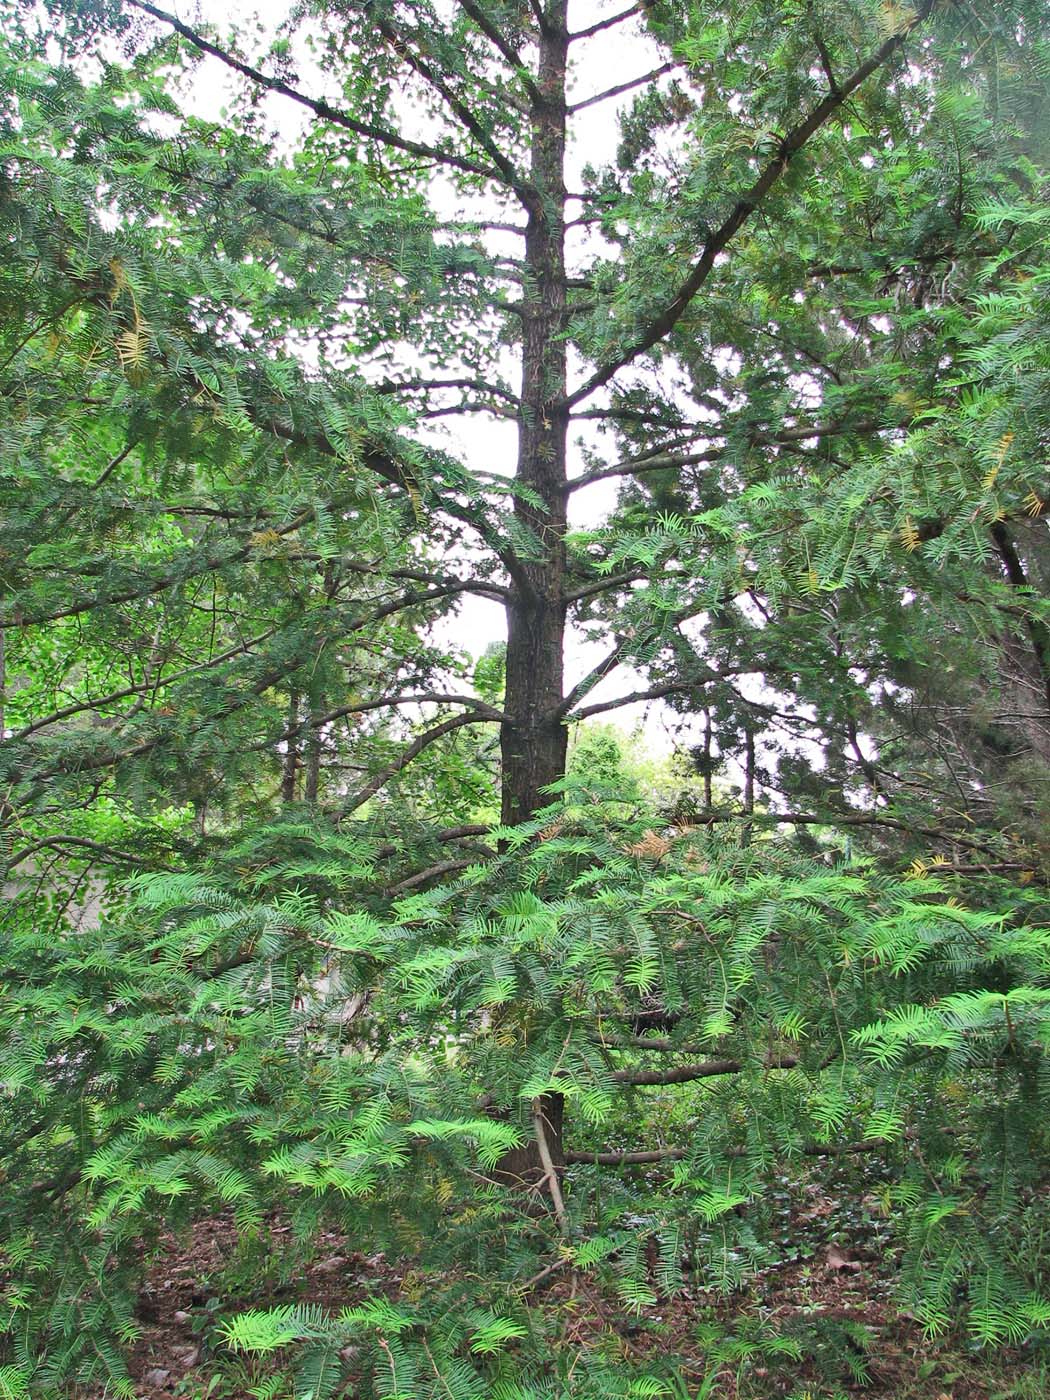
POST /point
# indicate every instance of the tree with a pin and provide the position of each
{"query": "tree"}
(808, 333)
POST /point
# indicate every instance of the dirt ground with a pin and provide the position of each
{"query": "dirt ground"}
(841, 1293)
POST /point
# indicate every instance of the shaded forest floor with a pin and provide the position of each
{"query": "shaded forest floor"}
(835, 1294)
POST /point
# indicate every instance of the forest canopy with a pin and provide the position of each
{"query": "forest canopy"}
(393, 393)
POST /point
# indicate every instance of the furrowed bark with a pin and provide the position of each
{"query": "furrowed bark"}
(533, 740)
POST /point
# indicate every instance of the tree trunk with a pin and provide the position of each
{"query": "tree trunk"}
(533, 740)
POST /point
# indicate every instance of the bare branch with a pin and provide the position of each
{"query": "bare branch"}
(480, 588)
(615, 658)
(604, 668)
(627, 1159)
(471, 702)
(82, 843)
(551, 1175)
(409, 386)
(623, 87)
(656, 692)
(607, 23)
(667, 460)
(640, 466)
(450, 833)
(678, 1154)
(444, 867)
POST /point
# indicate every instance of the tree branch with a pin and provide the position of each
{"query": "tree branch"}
(678, 1154)
(786, 149)
(609, 663)
(406, 756)
(550, 1173)
(481, 709)
(686, 1074)
(82, 843)
(158, 683)
(443, 867)
(158, 584)
(384, 135)
(462, 113)
(627, 1159)
(450, 833)
(623, 87)
(664, 461)
(482, 386)
(491, 32)
(656, 692)
(601, 24)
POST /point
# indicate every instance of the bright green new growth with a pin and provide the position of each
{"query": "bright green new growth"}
(268, 953)
(209, 1063)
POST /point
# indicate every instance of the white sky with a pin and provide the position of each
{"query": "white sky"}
(609, 58)
(614, 56)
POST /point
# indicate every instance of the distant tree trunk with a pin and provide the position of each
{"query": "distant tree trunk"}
(312, 767)
(707, 762)
(290, 768)
(749, 784)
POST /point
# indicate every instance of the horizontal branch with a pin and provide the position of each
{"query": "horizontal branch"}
(81, 843)
(656, 692)
(679, 1154)
(482, 588)
(157, 683)
(664, 461)
(235, 700)
(412, 386)
(481, 708)
(443, 837)
(627, 1159)
(432, 872)
(160, 582)
(686, 1074)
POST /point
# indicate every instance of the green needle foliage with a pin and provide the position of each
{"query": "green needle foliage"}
(254, 1038)
(308, 916)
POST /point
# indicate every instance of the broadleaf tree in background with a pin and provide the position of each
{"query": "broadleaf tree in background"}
(352, 963)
